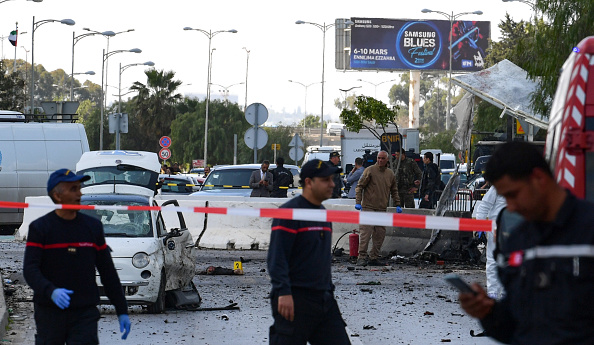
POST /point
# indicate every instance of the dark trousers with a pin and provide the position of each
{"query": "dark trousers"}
(69, 326)
(317, 320)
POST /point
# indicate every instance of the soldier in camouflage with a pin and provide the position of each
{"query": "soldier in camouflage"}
(409, 178)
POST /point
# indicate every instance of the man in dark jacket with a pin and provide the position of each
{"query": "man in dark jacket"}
(429, 182)
(64, 248)
(299, 262)
(282, 178)
(334, 162)
(546, 263)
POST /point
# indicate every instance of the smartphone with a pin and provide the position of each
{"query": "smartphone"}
(458, 283)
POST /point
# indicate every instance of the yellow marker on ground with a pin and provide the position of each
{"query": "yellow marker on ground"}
(237, 265)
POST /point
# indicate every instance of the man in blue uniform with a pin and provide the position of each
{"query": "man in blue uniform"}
(546, 262)
(64, 248)
(299, 262)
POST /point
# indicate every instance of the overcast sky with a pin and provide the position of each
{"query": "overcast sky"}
(279, 49)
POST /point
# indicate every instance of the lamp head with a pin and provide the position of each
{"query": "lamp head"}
(426, 10)
(67, 21)
(188, 28)
(108, 33)
(90, 73)
(300, 22)
(233, 31)
(149, 63)
(478, 12)
(135, 50)
(349, 22)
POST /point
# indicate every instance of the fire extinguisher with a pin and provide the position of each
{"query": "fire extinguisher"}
(354, 244)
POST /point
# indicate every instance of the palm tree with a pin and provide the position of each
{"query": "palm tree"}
(153, 110)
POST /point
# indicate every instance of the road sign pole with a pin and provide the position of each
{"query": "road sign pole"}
(256, 134)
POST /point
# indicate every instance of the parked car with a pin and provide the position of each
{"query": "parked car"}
(233, 180)
(178, 184)
(334, 128)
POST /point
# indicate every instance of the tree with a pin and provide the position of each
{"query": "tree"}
(311, 121)
(371, 114)
(12, 89)
(153, 109)
(567, 23)
(225, 119)
(432, 99)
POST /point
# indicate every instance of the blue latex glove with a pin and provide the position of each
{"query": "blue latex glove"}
(124, 325)
(398, 209)
(61, 297)
(358, 206)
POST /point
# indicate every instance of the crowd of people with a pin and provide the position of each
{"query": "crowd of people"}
(542, 291)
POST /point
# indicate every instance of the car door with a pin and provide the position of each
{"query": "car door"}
(176, 241)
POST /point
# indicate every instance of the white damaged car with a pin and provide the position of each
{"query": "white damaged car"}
(152, 258)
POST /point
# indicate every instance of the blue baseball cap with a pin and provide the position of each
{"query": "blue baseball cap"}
(64, 175)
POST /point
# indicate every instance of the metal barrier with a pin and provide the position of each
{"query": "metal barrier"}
(463, 202)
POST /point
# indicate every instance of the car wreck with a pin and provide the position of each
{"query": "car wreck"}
(154, 259)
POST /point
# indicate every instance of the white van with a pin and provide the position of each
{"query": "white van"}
(29, 153)
(319, 152)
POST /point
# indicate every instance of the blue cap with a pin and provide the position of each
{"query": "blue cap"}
(64, 175)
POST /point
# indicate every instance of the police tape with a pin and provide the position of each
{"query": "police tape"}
(402, 220)
(212, 185)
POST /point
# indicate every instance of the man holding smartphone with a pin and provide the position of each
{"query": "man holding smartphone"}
(546, 264)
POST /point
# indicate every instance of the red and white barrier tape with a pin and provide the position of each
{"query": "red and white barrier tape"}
(353, 217)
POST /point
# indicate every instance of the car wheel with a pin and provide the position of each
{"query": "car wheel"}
(159, 305)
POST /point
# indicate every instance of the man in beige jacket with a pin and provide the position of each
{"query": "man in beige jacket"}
(373, 194)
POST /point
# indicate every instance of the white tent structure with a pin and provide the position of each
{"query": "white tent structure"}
(506, 86)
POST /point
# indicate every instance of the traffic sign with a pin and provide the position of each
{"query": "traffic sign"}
(275, 147)
(165, 141)
(256, 114)
(296, 153)
(165, 154)
(296, 141)
(250, 136)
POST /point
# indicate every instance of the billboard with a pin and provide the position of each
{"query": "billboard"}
(399, 44)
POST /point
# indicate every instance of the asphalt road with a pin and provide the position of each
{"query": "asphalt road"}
(413, 305)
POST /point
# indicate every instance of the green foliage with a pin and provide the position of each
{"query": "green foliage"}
(311, 121)
(153, 110)
(277, 135)
(567, 23)
(12, 88)
(442, 140)
(225, 119)
(368, 111)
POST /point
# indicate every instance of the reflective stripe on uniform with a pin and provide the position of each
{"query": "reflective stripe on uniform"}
(559, 251)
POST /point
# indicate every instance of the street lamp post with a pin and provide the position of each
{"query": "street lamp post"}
(346, 91)
(105, 57)
(35, 26)
(247, 64)
(75, 40)
(72, 77)
(107, 62)
(324, 28)
(226, 89)
(27, 0)
(451, 18)
(376, 85)
(122, 69)
(305, 107)
(210, 34)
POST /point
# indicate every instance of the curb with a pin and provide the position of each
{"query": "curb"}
(3, 312)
